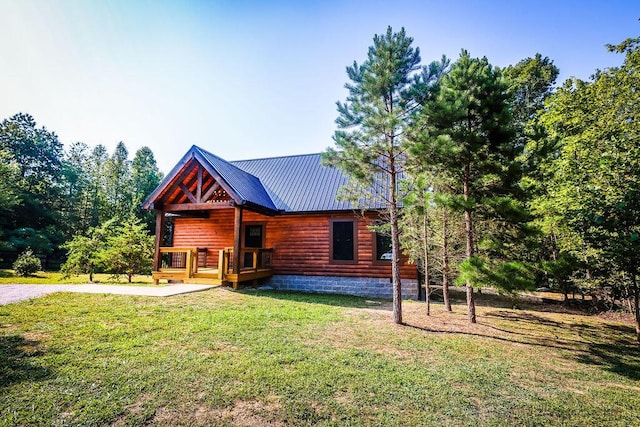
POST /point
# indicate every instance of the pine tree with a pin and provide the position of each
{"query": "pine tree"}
(372, 122)
(467, 135)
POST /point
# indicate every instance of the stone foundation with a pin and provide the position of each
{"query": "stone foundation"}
(359, 286)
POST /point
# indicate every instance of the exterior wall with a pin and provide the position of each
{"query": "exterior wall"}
(213, 233)
(301, 243)
(360, 286)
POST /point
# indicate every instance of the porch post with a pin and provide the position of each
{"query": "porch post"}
(159, 233)
(237, 233)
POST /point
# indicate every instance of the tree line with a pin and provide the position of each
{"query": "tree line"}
(495, 177)
(49, 195)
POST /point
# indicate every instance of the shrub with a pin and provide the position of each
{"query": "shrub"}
(27, 263)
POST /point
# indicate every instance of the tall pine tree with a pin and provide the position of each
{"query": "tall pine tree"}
(372, 124)
(468, 136)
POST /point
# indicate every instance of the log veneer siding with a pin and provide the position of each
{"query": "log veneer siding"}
(301, 242)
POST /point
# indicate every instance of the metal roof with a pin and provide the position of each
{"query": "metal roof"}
(287, 184)
(299, 183)
(247, 186)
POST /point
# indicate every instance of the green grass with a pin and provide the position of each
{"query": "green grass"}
(266, 358)
(57, 278)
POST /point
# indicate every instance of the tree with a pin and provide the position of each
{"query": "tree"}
(100, 211)
(36, 150)
(9, 196)
(371, 130)
(594, 182)
(531, 82)
(467, 134)
(422, 180)
(145, 177)
(76, 188)
(129, 249)
(84, 254)
(416, 228)
(35, 157)
(27, 263)
(118, 182)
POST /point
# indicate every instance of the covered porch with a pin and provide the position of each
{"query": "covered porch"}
(190, 265)
(204, 187)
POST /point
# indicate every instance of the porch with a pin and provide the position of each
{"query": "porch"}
(188, 264)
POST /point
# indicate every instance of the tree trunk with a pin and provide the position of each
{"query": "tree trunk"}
(427, 276)
(129, 275)
(395, 250)
(445, 259)
(468, 225)
(91, 276)
(636, 305)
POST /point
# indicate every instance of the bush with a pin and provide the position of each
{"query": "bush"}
(27, 263)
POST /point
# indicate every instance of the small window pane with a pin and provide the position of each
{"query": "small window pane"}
(383, 247)
(343, 241)
(253, 236)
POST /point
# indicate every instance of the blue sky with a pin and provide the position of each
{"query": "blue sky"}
(247, 79)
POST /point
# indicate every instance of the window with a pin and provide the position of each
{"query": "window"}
(343, 241)
(253, 236)
(382, 247)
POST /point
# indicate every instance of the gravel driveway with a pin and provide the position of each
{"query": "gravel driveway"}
(15, 293)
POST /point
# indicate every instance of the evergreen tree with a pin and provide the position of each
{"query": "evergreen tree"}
(76, 188)
(468, 136)
(145, 177)
(129, 249)
(118, 189)
(9, 195)
(371, 130)
(100, 210)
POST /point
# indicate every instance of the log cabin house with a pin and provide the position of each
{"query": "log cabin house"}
(273, 220)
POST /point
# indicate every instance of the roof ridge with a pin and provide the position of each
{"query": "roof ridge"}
(226, 161)
(275, 157)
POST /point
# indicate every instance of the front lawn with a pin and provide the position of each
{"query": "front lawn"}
(267, 358)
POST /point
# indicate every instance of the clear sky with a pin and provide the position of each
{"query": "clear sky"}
(248, 79)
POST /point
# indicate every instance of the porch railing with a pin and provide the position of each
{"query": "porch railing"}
(182, 262)
(179, 259)
(251, 259)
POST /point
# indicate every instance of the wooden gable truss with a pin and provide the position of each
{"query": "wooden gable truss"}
(193, 185)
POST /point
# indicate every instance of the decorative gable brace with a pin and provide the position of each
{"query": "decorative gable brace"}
(192, 185)
(197, 184)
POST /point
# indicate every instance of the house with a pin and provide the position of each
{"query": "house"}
(273, 220)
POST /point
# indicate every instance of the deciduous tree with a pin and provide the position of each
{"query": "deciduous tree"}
(595, 181)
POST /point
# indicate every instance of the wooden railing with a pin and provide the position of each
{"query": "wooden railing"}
(179, 259)
(181, 263)
(251, 259)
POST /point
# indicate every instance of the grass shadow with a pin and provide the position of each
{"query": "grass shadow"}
(620, 358)
(16, 354)
(456, 295)
(6, 273)
(335, 300)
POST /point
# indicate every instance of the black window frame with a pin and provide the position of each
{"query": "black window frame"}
(354, 240)
(375, 244)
